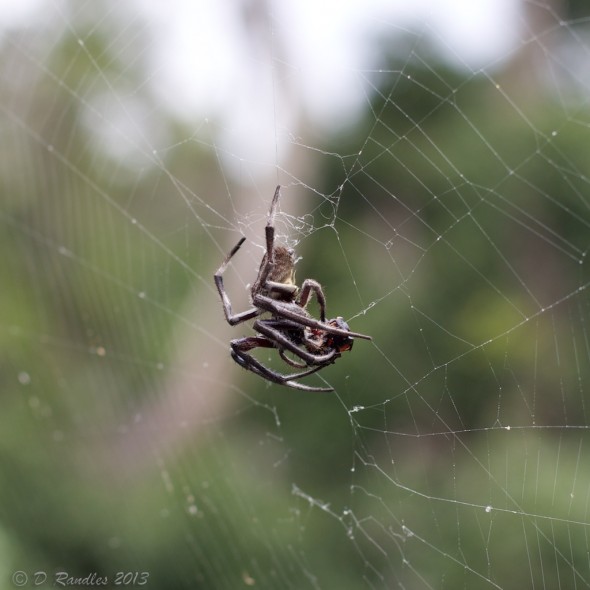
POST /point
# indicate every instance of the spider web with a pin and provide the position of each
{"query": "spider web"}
(440, 196)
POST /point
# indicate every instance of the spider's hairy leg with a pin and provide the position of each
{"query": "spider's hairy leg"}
(285, 289)
(251, 364)
(232, 319)
(291, 362)
(279, 309)
(308, 288)
(308, 345)
(250, 342)
(275, 335)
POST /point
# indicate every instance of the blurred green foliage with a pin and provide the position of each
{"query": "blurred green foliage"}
(458, 221)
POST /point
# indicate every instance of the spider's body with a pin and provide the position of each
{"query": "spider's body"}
(280, 280)
(290, 327)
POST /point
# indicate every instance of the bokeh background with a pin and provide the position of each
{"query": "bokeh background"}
(435, 169)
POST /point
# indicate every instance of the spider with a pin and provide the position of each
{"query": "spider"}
(290, 328)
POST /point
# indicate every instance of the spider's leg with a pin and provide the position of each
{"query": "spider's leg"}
(290, 325)
(295, 385)
(238, 318)
(251, 364)
(232, 319)
(231, 254)
(240, 356)
(249, 342)
(291, 361)
(283, 288)
(283, 341)
(270, 224)
(240, 348)
(308, 288)
(281, 310)
(268, 260)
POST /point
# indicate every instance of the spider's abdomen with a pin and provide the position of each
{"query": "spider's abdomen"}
(283, 270)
